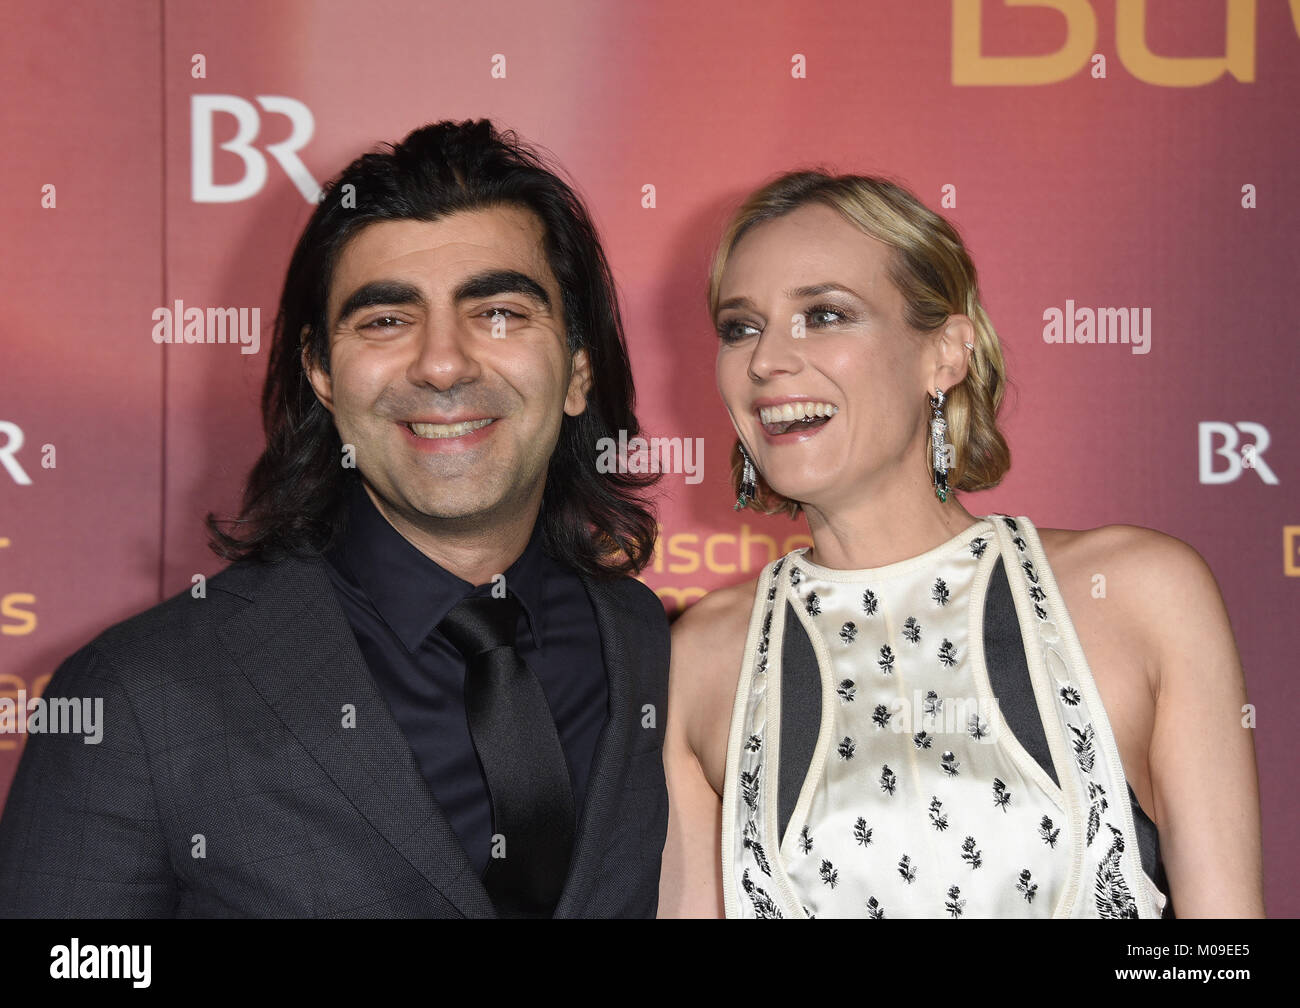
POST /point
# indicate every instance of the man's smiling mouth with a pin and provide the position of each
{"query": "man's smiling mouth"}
(434, 431)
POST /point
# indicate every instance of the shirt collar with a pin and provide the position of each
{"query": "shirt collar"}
(412, 593)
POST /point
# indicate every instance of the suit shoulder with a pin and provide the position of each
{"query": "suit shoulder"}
(181, 626)
(638, 597)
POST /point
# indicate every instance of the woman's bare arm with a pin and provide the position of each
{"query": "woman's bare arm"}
(707, 647)
(1202, 752)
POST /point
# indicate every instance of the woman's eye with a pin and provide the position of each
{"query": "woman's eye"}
(824, 316)
(735, 331)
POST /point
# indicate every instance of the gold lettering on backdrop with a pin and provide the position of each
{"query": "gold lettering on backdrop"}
(1187, 71)
(744, 552)
(970, 67)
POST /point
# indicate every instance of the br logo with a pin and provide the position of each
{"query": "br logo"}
(1238, 457)
(248, 125)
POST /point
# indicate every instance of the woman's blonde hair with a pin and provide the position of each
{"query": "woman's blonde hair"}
(933, 271)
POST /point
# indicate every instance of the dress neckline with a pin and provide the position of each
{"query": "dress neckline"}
(981, 526)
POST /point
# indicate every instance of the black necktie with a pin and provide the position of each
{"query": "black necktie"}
(519, 749)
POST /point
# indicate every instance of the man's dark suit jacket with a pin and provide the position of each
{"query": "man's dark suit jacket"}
(224, 734)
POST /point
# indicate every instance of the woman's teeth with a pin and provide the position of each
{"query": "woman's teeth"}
(796, 411)
(780, 419)
(440, 430)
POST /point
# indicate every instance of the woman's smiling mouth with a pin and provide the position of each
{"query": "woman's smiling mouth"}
(798, 416)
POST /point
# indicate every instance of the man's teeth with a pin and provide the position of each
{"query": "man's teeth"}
(802, 410)
(446, 430)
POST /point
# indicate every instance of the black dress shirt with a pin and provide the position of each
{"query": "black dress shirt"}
(394, 597)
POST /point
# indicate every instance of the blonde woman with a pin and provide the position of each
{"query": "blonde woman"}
(928, 714)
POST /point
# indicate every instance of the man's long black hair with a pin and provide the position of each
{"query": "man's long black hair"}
(295, 499)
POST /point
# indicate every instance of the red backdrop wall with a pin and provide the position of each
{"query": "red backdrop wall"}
(1112, 153)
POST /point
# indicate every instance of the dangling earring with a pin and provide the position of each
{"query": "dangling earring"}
(939, 445)
(748, 481)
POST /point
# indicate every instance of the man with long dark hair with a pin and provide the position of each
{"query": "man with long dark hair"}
(427, 684)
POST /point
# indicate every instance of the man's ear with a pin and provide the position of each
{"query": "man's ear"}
(952, 356)
(319, 378)
(575, 403)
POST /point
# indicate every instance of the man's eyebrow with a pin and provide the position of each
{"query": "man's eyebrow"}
(492, 282)
(380, 292)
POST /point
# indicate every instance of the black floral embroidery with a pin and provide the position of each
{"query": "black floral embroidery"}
(847, 748)
(886, 662)
(814, 604)
(1097, 805)
(947, 654)
(933, 704)
(796, 575)
(1026, 886)
(955, 903)
(1011, 524)
(977, 546)
(912, 630)
(1070, 696)
(749, 787)
(771, 589)
(1083, 750)
(978, 729)
(829, 873)
(1113, 896)
(1001, 796)
(869, 602)
(940, 592)
(847, 690)
(949, 763)
(760, 858)
(907, 870)
(888, 780)
(923, 739)
(753, 743)
(1036, 593)
(937, 819)
(970, 855)
(860, 832)
(874, 910)
(805, 840)
(880, 715)
(764, 906)
(1020, 543)
(1048, 831)
(848, 632)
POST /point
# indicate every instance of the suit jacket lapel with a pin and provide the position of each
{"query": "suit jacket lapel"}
(612, 752)
(294, 645)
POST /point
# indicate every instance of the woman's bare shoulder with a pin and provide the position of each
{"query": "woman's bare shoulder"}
(1146, 557)
(1160, 582)
(708, 646)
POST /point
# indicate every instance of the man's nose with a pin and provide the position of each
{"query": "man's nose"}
(444, 354)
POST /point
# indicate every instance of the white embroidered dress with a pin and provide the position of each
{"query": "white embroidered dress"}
(919, 802)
